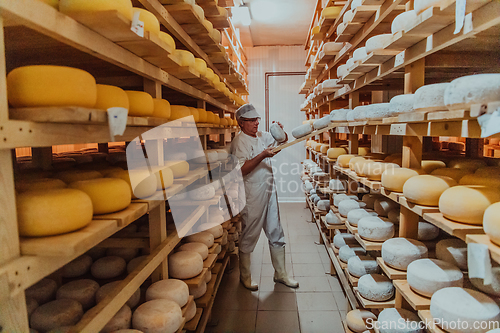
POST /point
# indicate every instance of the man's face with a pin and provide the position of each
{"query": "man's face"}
(249, 126)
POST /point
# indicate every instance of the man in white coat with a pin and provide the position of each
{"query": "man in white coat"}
(253, 149)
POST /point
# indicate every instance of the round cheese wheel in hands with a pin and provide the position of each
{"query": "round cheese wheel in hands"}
(185, 264)
(454, 251)
(400, 252)
(43, 291)
(375, 287)
(172, 289)
(83, 291)
(357, 320)
(426, 189)
(158, 316)
(491, 222)
(277, 132)
(54, 314)
(426, 276)
(472, 89)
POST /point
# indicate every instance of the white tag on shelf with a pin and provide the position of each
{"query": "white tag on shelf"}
(399, 59)
(137, 25)
(490, 123)
(117, 120)
(459, 15)
(478, 262)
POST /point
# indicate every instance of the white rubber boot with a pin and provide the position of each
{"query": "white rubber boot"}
(280, 274)
(245, 274)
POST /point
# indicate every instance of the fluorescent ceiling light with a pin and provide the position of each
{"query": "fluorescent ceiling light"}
(241, 14)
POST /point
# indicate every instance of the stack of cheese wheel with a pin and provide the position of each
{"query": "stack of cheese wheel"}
(400, 252)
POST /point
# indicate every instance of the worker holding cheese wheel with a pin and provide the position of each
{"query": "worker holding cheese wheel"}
(253, 149)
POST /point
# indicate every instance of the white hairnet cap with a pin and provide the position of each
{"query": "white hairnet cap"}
(247, 111)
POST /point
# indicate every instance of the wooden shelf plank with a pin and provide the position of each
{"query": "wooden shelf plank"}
(193, 323)
(484, 239)
(368, 245)
(417, 209)
(314, 133)
(197, 280)
(332, 226)
(209, 295)
(192, 176)
(367, 304)
(460, 230)
(210, 261)
(352, 279)
(416, 301)
(126, 216)
(426, 316)
(393, 274)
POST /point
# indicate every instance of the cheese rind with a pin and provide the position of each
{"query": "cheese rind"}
(157, 316)
(185, 264)
(377, 42)
(393, 179)
(107, 194)
(277, 132)
(302, 130)
(375, 229)
(426, 189)
(426, 276)
(161, 108)
(403, 21)
(492, 287)
(403, 320)
(357, 319)
(54, 314)
(342, 239)
(355, 215)
(124, 7)
(108, 267)
(140, 103)
(77, 267)
(350, 250)
(110, 97)
(491, 222)
(361, 265)
(427, 231)
(472, 89)
(151, 23)
(172, 289)
(375, 287)
(201, 248)
(83, 291)
(43, 291)
(430, 96)
(454, 251)
(400, 252)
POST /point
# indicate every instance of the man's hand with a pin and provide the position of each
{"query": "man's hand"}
(268, 152)
(280, 125)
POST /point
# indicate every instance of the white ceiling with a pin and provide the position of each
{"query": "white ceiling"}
(277, 22)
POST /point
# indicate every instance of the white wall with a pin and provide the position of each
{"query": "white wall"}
(284, 106)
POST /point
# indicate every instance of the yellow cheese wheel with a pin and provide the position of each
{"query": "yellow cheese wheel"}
(179, 111)
(201, 248)
(71, 176)
(426, 189)
(393, 179)
(356, 163)
(107, 194)
(164, 177)
(324, 148)
(144, 183)
(488, 171)
(185, 58)
(200, 65)
(52, 3)
(179, 168)
(202, 115)
(343, 160)
(124, 7)
(216, 36)
(110, 97)
(363, 151)
(52, 212)
(38, 184)
(208, 25)
(474, 179)
(151, 23)
(331, 12)
(210, 117)
(374, 170)
(454, 173)
(467, 164)
(317, 147)
(161, 108)
(209, 74)
(141, 104)
(223, 122)
(215, 80)
(430, 166)
(167, 39)
(43, 85)
(199, 12)
(491, 222)
(315, 30)
(216, 119)
(467, 203)
(194, 112)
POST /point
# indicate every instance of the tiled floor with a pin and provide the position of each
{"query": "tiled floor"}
(316, 306)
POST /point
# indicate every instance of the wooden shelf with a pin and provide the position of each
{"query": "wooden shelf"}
(393, 274)
(210, 261)
(367, 304)
(192, 176)
(352, 279)
(368, 245)
(126, 216)
(417, 209)
(426, 316)
(416, 301)
(484, 239)
(193, 323)
(332, 226)
(460, 230)
(197, 280)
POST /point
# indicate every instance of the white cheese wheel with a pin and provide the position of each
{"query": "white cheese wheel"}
(185, 264)
(322, 122)
(467, 204)
(399, 321)
(472, 308)
(202, 193)
(338, 115)
(43, 291)
(340, 28)
(427, 231)
(375, 229)
(108, 195)
(492, 287)
(401, 104)
(336, 185)
(393, 215)
(350, 250)
(377, 43)
(308, 185)
(215, 229)
(52, 212)
(361, 265)
(157, 316)
(369, 200)
(108, 267)
(430, 97)
(198, 291)
(453, 173)
(335, 152)
(359, 113)
(83, 291)
(355, 215)
(201, 248)
(172, 289)
(421, 5)
(378, 111)
(345, 206)
(491, 222)
(190, 311)
(375, 287)
(359, 54)
(302, 130)
(357, 320)
(426, 276)
(384, 205)
(121, 320)
(331, 47)
(403, 21)
(324, 205)
(277, 132)
(426, 189)
(342, 239)
(208, 275)
(126, 253)
(330, 85)
(454, 251)
(77, 267)
(112, 287)
(54, 314)
(343, 160)
(472, 89)
(429, 165)
(400, 252)
(348, 15)
(338, 198)
(331, 218)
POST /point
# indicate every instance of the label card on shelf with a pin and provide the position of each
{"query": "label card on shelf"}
(137, 25)
(117, 120)
(459, 15)
(490, 123)
(399, 59)
(479, 263)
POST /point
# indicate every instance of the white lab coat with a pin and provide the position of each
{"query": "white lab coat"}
(261, 210)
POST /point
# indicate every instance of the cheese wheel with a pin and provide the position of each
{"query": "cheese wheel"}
(151, 23)
(363, 151)
(404, 21)
(426, 276)
(430, 96)
(185, 58)
(355, 215)
(145, 183)
(338, 115)
(350, 250)
(185, 264)
(108, 267)
(400, 252)
(213, 228)
(353, 164)
(472, 89)
(357, 320)
(375, 287)
(401, 104)
(96, 253)
(157, 316)
(492, 287)
(393, 215)
(375, 229)
(426, 189)
(454, 251)
(322, 122)
(54, 314)
(421, 5)
(359, 54)
(332, 218)
(127, 253)
(194, 112)
(107, 194)
(38, 184)
(331, 12)
(43, 291)
(112, 287)
(403, 320)
(167, 39)
(342, 239)
(467, 203)
(121, 320)
(52, 212)
(361, 265)
(338, 198)
(343, 160)
(201, 248)
(179, 111)
(454, 173)
(491, 222)
(135, 262)
(190, 311)
(172, 289)
(335, 152)
(179, 168)
(161, 108)
(200, 65)
(198, 291)
(428, 166)
(110, 97)
(302, 130)
(77, 267)
(474, 179)
(393, 179)
(202, 193)
(345, 206)
(324, 205)
(427, 231)
(377, 43)
(472, 308)
(83, 291)
(374, 170)
(124, 7)
(71, 176)
(43, 85)
(140, 103)
(369, 200)
(202, 115)
(384, 205)
(467, 164)
(336, 185)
